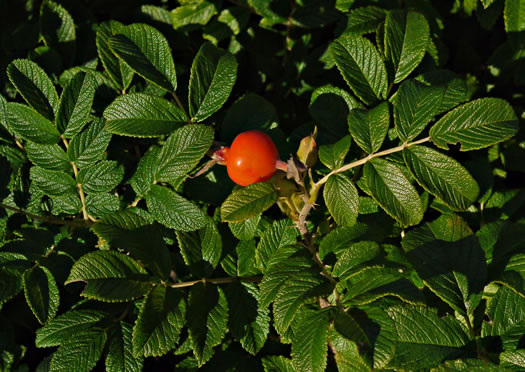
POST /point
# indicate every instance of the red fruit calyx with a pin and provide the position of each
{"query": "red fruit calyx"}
(251, 158)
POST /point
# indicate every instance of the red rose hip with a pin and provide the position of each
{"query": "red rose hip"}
(251, 158)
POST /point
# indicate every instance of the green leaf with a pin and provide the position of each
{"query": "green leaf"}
(28, 124)
(89, 145)
(147, 52)
(69, 204)
(277, 363)
(450, 261)
(182, 151)
(249, 201)
(80, 353)
(10, 285)
(454, 89)
(369, 127)
(361, 66)
(506, 312)
(353, 255)
(310, 340)
(110, 276)
(341, 238)
(247, 229)
(468, 365)
(100, 177)
(513, 359)
(120, 356)
(213, 74)
(369, 284)
(75, 104)
(207, 319)
(365, 20)
(201, 250)
(407, 36)
(56, 24)
(342, 199)
(514, 15)
(281, 234)
(393, 191)
(248, 322)
(66, 326)
(421, 338)
(159, 323)
(193, 13)
(347, 355)
(346, 325)
(50, 157)
(414, 108)
(41, 293)
(477, 124)
(128, 231)
(118, 71)
(142, 115)
(174, 211)
(35, 86)
(52, 183)
(333, 156)
(98, 205)
(144, 175)
(442, 176)
(289, 281)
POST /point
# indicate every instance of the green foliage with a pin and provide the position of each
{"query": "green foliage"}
(390, 237)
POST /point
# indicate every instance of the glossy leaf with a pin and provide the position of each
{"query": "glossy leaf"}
(406, 39)
(342, 199)
(141, 115)
(75, 104)
(213, 74)
(369, 127)
(393, 191)
(361, 66)
(333, 156)
(110, 276)
(364, 20)
(120, 356)
(34, 86)
(89, 145)
(80, 353)
(207, 319)
(193, 13)
(56, 24)
(477, 124)
(182, 151)
(28, 124)
(174, 211)
(41, 293)
(147, 52)
(100, 177)
(414, 108)
(67, 325)
(281, 234)
(247, 202)
(442, 176)
(52, 183)
(50, 157)
(159, 323)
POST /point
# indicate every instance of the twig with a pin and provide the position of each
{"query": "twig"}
(52, 220)
(181, 106)
(252, 279)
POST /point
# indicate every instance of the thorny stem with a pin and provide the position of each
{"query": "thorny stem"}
(52, 220)
(252, 279)
(308, 205)
(85, 214)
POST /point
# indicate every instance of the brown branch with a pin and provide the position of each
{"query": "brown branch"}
(252, 279)
(56, 221)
